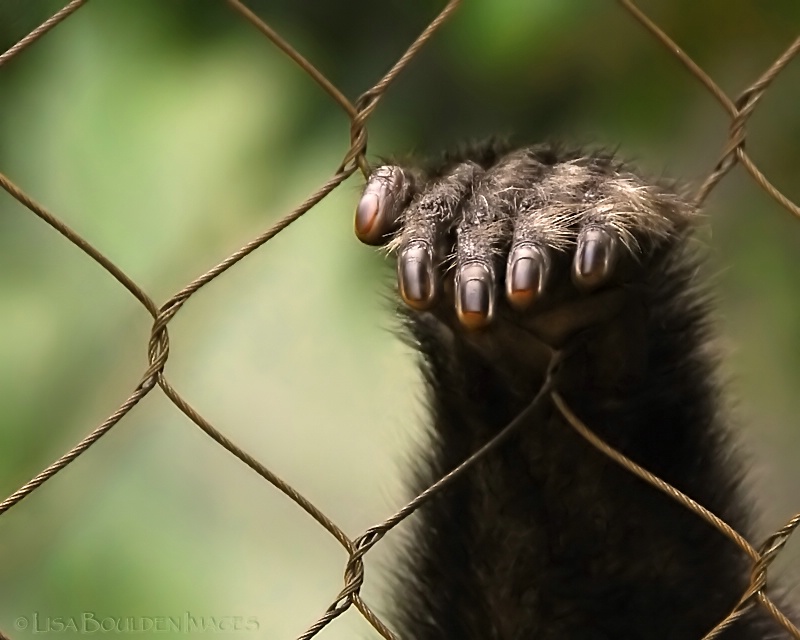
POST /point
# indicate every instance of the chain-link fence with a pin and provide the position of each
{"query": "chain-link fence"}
(153, 379)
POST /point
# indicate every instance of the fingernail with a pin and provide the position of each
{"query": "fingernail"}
(415, 274)
(595, 257)
(525, 278)
(474, 302)
(366, 214)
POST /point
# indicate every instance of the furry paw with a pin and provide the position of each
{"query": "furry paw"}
(535, 236)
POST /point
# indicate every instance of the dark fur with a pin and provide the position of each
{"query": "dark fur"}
(545, 538)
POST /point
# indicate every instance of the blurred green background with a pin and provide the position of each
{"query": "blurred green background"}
(168, 133)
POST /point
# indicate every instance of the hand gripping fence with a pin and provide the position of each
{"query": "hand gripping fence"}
(358, 112)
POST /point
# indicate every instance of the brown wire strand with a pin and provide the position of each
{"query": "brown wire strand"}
(681, 55)
(370, 98)
(739, 111)
(314, 73)
(141, 390)
(358, 113)
(628, 464)
(39, 479)
(118, 274)
(173, 305)
(354, 571)
(761, 559)
(256, 466)
(53, 21)
(734, 148)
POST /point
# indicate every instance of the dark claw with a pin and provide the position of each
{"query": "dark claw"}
(526, 275)
(415, 274)
(376, 211)
(474, 295)
(594, 259)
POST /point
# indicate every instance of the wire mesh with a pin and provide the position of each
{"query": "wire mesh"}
(738, 111)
